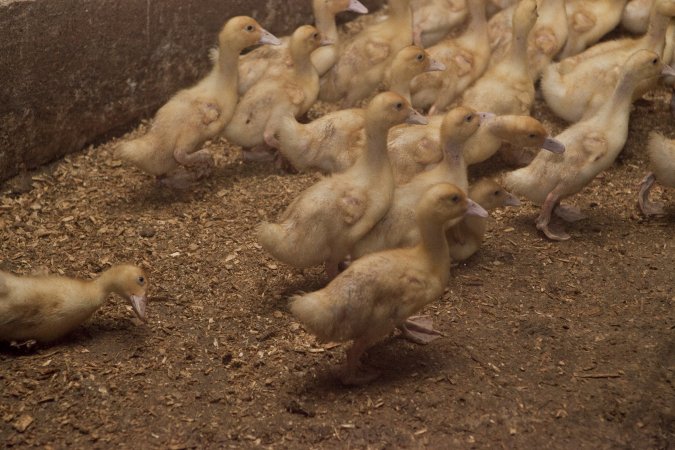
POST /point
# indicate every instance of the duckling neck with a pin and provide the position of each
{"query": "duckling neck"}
(287, 128)
(375, 159)
(622, 97)
(434, 245)
(518, 53)
(227, 67)
(478, 21)
(400, 83)
(302, 63)
(453, 155)
(325, 23)
(400, 10)
(103, 286)
(656, 32)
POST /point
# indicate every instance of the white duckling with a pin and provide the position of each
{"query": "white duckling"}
(545, 40)
(254, 64)
(295, 90)
(364, 60)
(197, 114)
(465, 56)
(334, 141)
(579, 85)
(588, 21)
(465, 238)
(635, 17)
(415, 149)
(381, 291)
(45, 308)
(507, 87)
(591, 147)
(322, 224)
(662, 164)
(435, 19)
(398, 227)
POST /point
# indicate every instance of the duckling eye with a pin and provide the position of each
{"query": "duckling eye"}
(141, 280)
(249, 27)
(468, 118)
(496, 193)
(655, 61)
(398, 106)
(420, 57)
(455, 198)
(315, 36)
(532, 136)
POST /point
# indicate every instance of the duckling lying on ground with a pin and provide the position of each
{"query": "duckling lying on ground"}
(434, 19)
(588, 22)
(465, 238)
(196, 114)
(254, 65)
(45, 308)
(334, 141)
(380, 291)
(662, 164)
(322, 223)
(591, 147)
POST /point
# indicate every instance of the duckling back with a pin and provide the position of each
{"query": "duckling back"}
(146, 154)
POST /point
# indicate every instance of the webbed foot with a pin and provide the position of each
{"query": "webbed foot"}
(420, 330)
(552, 233)
(569, 213)
(648, 207)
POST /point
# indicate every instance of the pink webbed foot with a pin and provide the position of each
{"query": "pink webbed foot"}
(552, 232)
(420, 330)
(648, 207)
(259, 153)
(282, 163)
(569, 213)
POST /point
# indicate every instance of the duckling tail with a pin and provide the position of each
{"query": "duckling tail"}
(284, 244)
(138, 152)
(316, 313)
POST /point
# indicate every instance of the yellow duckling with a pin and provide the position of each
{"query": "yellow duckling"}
(591, 147)
(379, 292)
(495, 6)
(334, 141)
(579, 85)
(398, 227)
(45, 308)
(662, 164)
(415, 149)
(465, 238)
(434, 19)
(197, 114)
(322, 224)
(510, 77)
(588, 21)
(295, 90)
(465, 56)
(546, 39)
(364, 60)
(635, 17)
(253, 65)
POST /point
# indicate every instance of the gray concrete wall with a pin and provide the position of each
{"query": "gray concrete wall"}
(73, 71)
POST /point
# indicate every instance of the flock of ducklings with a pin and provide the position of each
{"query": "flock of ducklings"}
(397, 208)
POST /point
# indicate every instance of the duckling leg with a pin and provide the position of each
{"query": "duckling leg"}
(544, 219)
(647, 207)
(200, 162)
(353, 374)
(569, 213)
(420, 330)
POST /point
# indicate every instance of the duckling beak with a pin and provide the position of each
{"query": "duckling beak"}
(668, 71)
(357, 7)
(138, 303)
(416, 118)
(553, 145)
(475, 209)
(268, 38)
(511, 200)
(486, 116)
(325, 42)
(435, 66)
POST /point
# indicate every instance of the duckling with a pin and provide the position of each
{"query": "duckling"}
(662, 163)
(435, 19)
(591, 146)
(495, 6)
(324, 221)
(254, 64)
(545, 40)
(197, 114)
(334, 141)
(465, 238)
(45, 308)
(364, 60)
(465, 57)
(415, 149)
(581, 84)
(379, 292)
(510, 77)
(635, 17)
(295, 90)
(588, 21)
(397, 228)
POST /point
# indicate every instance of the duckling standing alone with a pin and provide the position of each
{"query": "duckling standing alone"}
(364, 60)
(196, 114)
(379, 292)
(434, 19)
(465, 238)
(589, 21)
(591, 146)
(254, 65)
(662, 164)
(46, 308)
(635, 16)
(322, 224)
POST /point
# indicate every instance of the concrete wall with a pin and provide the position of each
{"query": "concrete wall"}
(73, 71)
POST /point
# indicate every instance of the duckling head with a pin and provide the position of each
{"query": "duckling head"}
(413, 60)
(131, 283)
(665, 7)
(490, 195)
(306, 39)
(389, 109)
(337, 6)
(459, 125)
(243, 31)
(524, 17)
(524, 131)
(444, 202)
(645, 65)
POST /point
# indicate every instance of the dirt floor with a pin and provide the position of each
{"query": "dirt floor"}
(547, 345)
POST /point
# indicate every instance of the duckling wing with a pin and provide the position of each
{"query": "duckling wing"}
(353, 204)
(582, 21)
(595, 146)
